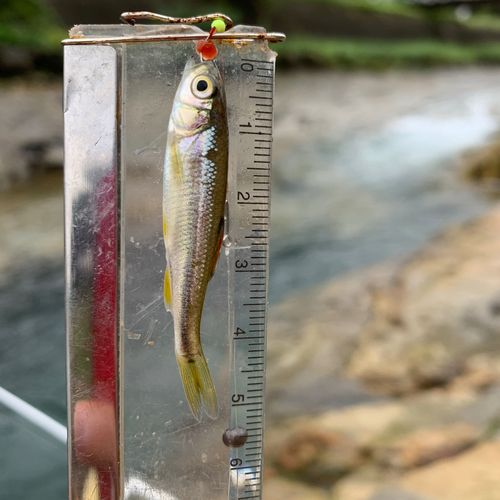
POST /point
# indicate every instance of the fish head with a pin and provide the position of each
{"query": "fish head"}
(199, 94)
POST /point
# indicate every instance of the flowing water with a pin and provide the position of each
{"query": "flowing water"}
(366, 169)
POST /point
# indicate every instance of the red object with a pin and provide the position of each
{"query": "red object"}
(206, 48)
(101, 423)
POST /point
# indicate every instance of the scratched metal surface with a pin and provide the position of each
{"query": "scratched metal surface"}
(90, 185)
(163, 451)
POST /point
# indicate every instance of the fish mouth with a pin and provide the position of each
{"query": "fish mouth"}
(191, 63)
(194, 62)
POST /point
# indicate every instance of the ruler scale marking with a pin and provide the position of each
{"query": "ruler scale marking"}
(249, 309)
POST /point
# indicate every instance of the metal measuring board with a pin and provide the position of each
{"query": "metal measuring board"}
(132, 434)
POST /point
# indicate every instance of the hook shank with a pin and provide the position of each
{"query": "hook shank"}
(131, 17)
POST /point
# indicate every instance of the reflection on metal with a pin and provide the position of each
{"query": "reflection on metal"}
(131, 17)
(245, 481)
(36, 417)
(91, 226)
(131, 432)
(91, 489)
(136, 488)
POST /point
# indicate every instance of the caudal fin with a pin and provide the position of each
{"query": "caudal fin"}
(200, 391)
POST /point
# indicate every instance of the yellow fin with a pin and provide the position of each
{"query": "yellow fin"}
(167, 291)
(200, 391)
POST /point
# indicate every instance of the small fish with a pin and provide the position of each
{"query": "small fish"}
(194, 195)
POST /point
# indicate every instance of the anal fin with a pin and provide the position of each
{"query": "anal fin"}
(219, 246)
(167, 291)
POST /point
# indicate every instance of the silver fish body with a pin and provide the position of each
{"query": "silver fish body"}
(194, 194)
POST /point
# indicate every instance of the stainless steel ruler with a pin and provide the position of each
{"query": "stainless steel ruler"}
(132, 433)
(249, 277)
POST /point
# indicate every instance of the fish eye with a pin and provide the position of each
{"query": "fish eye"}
(203, 87)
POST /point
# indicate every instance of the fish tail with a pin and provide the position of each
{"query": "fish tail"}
(200, 391)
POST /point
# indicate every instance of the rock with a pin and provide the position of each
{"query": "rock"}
(318, 396)
(356, 487)
(364, 422)
(430, 323)
(277, 488)
(324, 448)
(440, 308)
(360, 448)
(371, 485)
(390, 493)
(427, 445)
(312, 349)
(434, 409)
(319, 456)
(483, 166)
(480, 373)
(398, 328)
(473, 475)
(485, 411)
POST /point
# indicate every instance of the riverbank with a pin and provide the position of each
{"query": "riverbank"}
(422, 334)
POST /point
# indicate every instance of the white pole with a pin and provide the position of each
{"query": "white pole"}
(36, 417)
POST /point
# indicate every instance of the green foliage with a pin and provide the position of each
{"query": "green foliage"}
(480, 19)
(389, 7)
(28, 23)
(483, 20)
(374, 54)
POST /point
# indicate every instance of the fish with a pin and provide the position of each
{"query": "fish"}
(194, 198)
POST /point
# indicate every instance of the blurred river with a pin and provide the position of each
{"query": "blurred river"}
(369, 167)
(366, 168)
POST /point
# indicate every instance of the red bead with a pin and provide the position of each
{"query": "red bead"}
(207, 49)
